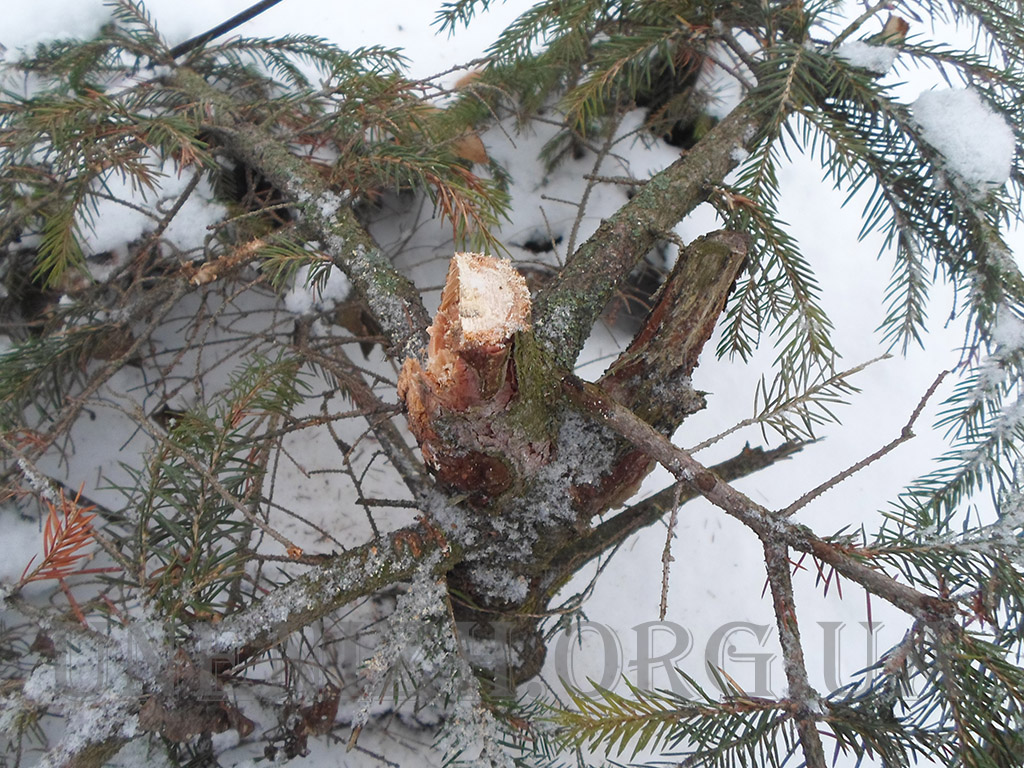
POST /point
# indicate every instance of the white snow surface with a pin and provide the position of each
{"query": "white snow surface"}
(303, 298)
(23, 536)
(107, 225)
(1008, 331)
(976, 143)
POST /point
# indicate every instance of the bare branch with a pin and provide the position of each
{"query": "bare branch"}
(666, 555)
(377, 414)
(857, 23)
(806, 699)
(601, 155)
(604, 537)
(155, 307)
(905, 434)
(566, 310)
(589, 399)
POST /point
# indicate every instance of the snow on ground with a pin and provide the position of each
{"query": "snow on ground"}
(716, 610)
(406, 24)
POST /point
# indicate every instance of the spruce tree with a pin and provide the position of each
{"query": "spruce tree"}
(176, 582)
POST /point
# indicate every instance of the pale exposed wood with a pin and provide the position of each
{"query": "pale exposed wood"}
(484, 302)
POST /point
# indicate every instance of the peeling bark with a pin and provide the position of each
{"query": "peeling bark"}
(652, 376)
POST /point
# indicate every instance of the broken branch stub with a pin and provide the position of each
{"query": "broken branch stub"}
(467, 405)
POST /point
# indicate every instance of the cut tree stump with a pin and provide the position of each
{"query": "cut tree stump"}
(470, 405)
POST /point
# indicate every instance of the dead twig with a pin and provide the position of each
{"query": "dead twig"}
(582, 209)
(591, 400)
(666, 554)
(805, 698)
(905, 434)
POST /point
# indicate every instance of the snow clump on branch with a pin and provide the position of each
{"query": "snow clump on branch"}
(874, 58)
(975, 142)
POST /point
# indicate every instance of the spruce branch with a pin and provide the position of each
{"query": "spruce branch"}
(393, 299)
(739, 728)
(775, 407)
(209, 475)
(65, 535)
(780, 289)
(458, 12)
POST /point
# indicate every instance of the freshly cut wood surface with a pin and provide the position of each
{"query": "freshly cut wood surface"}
(485, 300)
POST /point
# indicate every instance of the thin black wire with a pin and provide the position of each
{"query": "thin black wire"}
(235, 21)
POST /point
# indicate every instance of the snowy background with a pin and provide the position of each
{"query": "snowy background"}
(715, 601)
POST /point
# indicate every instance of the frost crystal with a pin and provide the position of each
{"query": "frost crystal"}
(39, 484)
(499, 582)
(95, 683)
(1008, 336)
(414, 640)
(976, 143)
